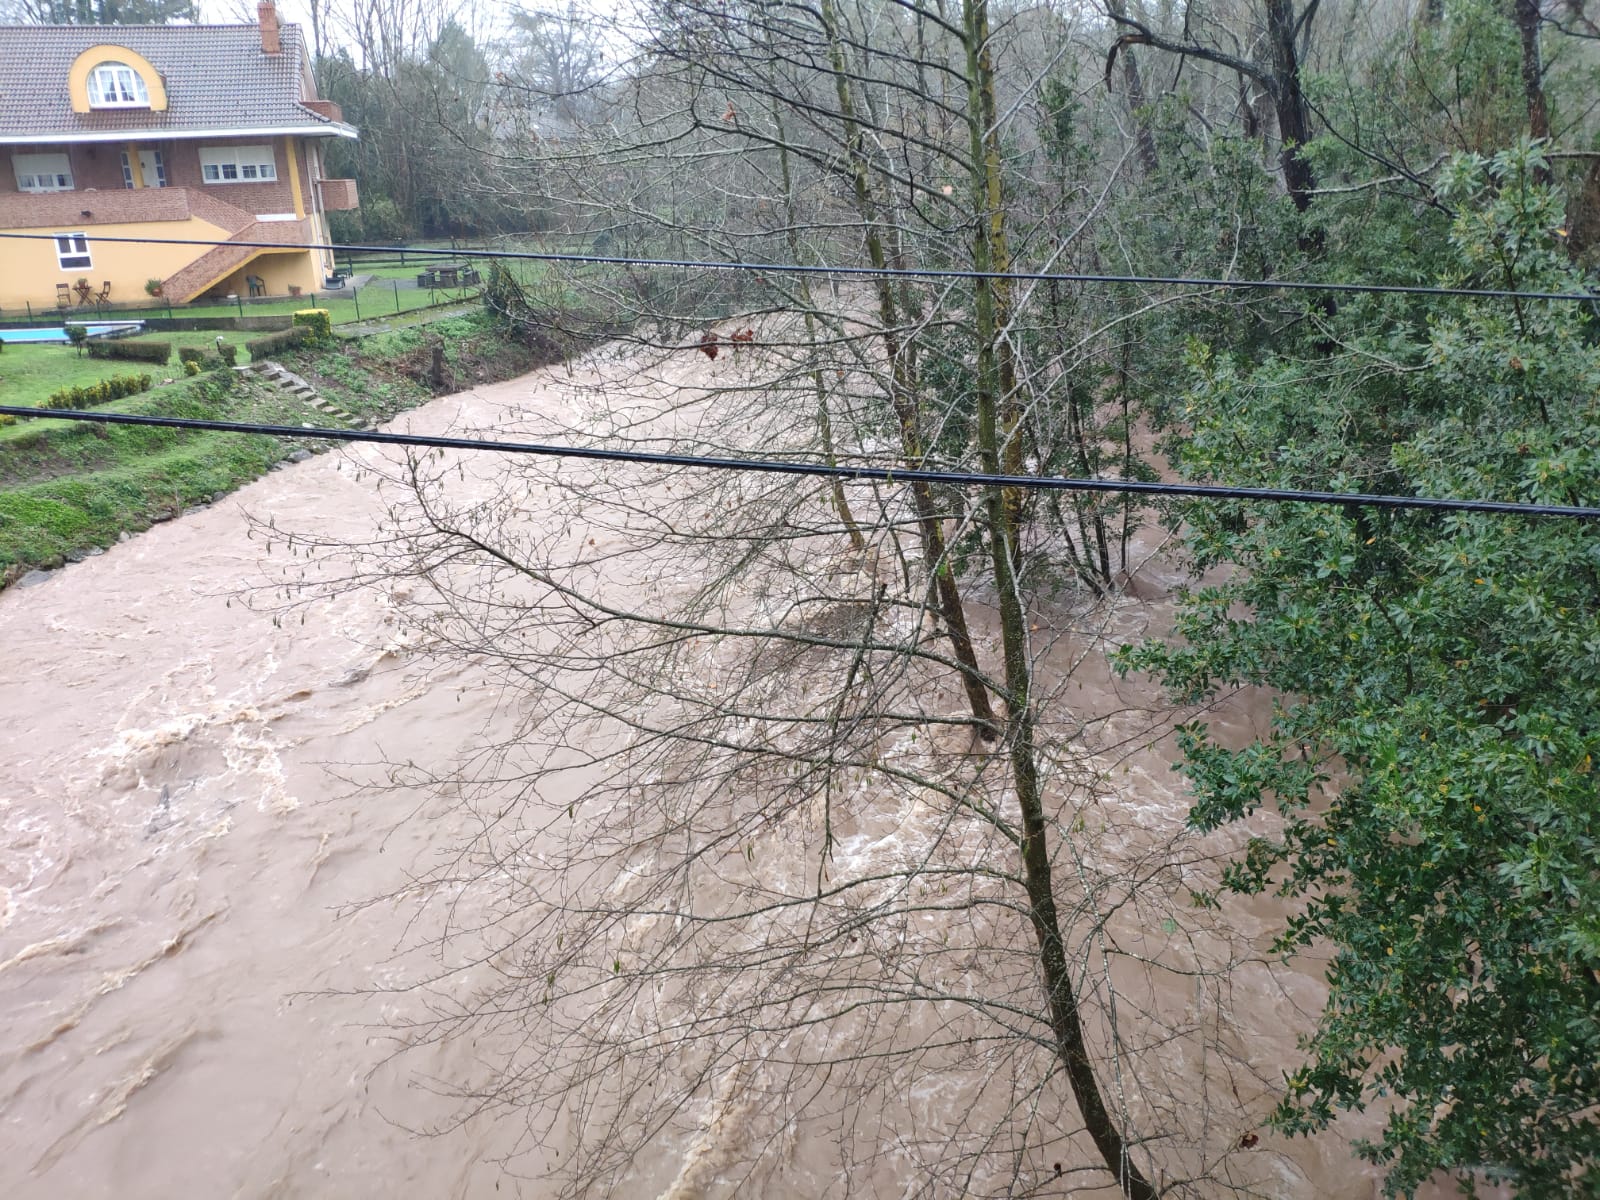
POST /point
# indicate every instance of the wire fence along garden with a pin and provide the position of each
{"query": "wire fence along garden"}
(373, 300)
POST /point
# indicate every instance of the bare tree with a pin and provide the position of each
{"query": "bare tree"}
(1275, 67)
(795, 667)
(742, 861)
(558, 61)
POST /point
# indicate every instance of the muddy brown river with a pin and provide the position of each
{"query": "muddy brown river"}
(193, 969)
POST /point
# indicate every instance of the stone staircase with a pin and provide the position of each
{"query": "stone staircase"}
(285, 380)
(222, 260)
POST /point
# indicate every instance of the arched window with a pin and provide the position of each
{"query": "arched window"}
(117, 85)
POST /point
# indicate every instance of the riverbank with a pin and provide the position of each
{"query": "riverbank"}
(70, 490)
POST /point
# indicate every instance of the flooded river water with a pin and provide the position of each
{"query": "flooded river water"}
(192, 978)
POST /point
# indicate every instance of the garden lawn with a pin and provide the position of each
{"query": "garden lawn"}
(29, 373)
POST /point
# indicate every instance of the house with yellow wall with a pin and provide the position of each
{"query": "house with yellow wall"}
(205, 134)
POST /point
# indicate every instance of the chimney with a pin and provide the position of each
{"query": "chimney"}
(267, 12)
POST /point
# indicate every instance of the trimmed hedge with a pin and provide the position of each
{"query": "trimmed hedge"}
(91, 394)
(318, 321)
(199, 359)
(150, 352)
(284, 339)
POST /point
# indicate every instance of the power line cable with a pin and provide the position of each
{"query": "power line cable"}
(820, 470)
(1285, 285)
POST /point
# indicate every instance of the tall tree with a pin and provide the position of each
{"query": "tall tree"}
(1432, 763)
(1276, 69)
(104, 12)
(852, 133)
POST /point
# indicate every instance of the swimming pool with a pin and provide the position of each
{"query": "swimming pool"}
(15, 337)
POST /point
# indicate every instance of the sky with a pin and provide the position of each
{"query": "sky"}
(239, 12)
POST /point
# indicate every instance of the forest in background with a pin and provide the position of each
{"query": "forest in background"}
(1429, 766)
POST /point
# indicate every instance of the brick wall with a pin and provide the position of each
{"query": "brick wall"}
(183, 170)
(98, 167)
(64, 210)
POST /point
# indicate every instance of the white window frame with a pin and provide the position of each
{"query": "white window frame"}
(117, 85)
(72, 251)
(238, 164)
(43, 172)
(160, 181)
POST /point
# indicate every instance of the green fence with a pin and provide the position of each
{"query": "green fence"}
(375, 300)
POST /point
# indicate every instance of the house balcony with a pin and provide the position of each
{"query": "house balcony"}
(325, 108)
(338, 195)
(80, 210)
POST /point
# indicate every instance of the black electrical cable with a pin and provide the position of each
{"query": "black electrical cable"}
(819, 470)
(1286, 285)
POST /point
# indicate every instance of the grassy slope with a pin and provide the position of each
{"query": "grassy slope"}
(66, 488)
(70, 487)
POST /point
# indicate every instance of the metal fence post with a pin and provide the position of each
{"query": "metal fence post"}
(355, 294)
(239, 300)
(397, 295)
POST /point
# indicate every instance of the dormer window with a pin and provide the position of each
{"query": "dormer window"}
(117, 85)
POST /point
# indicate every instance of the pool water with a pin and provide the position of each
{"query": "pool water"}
(14, 337)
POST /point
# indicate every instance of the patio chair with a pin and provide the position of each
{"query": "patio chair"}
(257, 285)
(63, 295)
(103, 296)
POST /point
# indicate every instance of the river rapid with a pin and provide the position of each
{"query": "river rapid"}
(201, 906)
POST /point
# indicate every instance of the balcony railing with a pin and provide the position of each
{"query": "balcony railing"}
(77, 210)
(338, 195)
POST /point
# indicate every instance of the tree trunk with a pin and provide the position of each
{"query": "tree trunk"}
(1289, 101)
(903, 398)
(1583, 214)
(999, 448)
(1149, 159)
(1526, 15)
(841, 502)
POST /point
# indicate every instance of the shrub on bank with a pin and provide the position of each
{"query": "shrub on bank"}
(272, 343)
(150, 352)
(103, 392)
(317, 321)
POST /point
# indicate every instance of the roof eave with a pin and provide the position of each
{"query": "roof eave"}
(329, 129)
